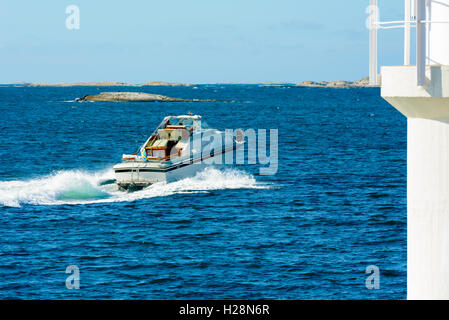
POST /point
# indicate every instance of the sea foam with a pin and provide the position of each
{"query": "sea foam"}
(81, 187)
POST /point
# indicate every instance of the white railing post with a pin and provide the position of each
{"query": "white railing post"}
(373, 42)
(407, 18)
(421, 42)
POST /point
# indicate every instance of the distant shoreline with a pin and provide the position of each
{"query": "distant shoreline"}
(362, 83)
(103, 84)
(339, 84)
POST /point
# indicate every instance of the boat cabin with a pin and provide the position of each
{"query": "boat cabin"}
(171, 138)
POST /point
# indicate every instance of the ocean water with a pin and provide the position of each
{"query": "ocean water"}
(336, 205)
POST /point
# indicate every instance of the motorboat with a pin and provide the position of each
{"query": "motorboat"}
(178, 148)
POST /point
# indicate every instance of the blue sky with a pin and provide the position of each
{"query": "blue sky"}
(197, 41)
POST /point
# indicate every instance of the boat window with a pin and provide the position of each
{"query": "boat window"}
(186, 122)
(181, 121)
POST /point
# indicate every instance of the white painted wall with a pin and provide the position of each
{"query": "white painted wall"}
(400, 81)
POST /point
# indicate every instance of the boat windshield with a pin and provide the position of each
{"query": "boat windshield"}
(181, 122)
(187, 122)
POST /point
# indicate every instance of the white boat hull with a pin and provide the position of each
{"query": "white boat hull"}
(136, 175)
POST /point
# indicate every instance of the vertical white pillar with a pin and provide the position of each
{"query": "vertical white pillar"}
(427, 112)
(407, 17)
(374, 17)
(428, 161)
(428, 209)
(421, 42)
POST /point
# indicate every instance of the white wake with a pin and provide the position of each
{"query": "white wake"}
(81, 187)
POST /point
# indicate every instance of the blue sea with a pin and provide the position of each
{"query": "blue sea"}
(336, 205)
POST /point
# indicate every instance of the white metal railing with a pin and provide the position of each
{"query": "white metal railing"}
(414, 16)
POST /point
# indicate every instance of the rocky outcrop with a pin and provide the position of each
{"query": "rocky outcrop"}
(275, 84)
(362, 83)
(166, 84)
(134, 97)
